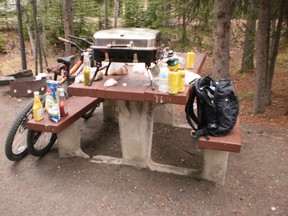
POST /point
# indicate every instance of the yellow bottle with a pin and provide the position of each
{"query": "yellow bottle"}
(86, 75)
(190, 60)
(86, 69)
(38, 111)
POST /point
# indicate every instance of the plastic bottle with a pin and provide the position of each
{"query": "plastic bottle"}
(86, 68)
(38, 111)
(62, 102)
(190, 60)
(163, 79)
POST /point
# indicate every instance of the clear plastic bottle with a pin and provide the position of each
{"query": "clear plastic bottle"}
(163, 79)
(62, 102)
(86, 68)
(38, 111)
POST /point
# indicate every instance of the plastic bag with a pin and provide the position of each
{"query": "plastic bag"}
(51, 101)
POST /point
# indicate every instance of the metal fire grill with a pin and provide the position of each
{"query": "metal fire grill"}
(127, 45)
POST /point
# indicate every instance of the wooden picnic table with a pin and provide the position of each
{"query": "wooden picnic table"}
(137, 104)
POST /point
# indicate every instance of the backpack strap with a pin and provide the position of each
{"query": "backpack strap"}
(200, 86)
(197, 134)
(189, 108)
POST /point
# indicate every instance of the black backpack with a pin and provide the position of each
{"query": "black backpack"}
(217, 107)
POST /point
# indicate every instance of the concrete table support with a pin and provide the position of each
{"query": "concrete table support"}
(136, 130)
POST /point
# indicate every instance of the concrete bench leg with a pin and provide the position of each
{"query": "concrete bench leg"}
(136, 129)
(69, 141)
(215, 165)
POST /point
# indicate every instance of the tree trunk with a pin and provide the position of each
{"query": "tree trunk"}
(262, 48)
(115, 13)
(184, 38)
(221, 38)
(21, 36)
(44, 41)
(274, 53)
(37, 47)
(248, 52)
(30, 33)
(68, 23)
(106, 15)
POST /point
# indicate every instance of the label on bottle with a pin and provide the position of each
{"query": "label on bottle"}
(63, 109)
(38, 113)
(181, 80)
(163, 80)
(173, 82)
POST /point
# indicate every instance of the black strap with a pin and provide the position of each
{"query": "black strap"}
(189, 108)
(200, 85)
(197, 134)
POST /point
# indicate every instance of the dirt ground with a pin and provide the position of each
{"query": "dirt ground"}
(256, 179)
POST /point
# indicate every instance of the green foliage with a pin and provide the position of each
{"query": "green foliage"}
(54, 21)
(185, 22)
(84, 22)
(155, 16)
(133, 13)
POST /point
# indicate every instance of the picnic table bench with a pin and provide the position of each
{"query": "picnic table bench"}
(67, 129)
(136, 103)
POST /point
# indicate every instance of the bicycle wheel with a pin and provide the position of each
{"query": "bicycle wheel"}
(16, 145)
(39, 143)
(88, 114)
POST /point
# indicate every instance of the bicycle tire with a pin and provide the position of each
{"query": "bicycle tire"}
(88, 114)
(39, 142)
(17, 135)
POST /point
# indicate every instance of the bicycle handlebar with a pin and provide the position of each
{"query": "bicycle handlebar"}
(81, 39)
(71, 43)
(63, 39)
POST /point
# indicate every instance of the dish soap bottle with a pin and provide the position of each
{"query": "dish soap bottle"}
(86, 68)
(38, 111)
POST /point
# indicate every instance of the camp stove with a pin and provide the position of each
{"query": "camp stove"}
(127, 45)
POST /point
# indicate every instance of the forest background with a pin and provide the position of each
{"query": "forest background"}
(252, 33)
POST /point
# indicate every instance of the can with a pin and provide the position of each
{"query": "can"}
(173, 82)
(181, 80)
